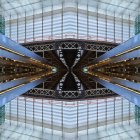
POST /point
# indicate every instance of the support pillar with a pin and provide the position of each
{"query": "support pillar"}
(137, 25)
(137, 114)
(2, 115)
(2, 24)
(2, 31)
(137, 108)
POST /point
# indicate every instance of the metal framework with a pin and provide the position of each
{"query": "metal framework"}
(81, 46)
(21, 70)
(70, 95)
(70, 44)
(118, 69)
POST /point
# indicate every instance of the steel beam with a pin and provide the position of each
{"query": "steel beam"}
(126, 83)
(6, 85)
(132, 96)
(19, 81)
(8, 44)
(124, 47)
(126, 56)
(9, 95)
(12, 56)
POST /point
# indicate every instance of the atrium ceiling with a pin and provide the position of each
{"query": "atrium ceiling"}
(125, 7)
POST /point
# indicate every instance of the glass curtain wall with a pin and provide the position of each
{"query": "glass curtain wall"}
(69, 19)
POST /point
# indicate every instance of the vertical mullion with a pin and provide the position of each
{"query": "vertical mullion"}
(129, 112)
(122, 109)
(87, 22)
(52, 116)
(25, 110)
(106, 24)
(17, 29)
(17, 109)
(114, 28)
(114, 108)
(62, 19)
(77, 21)
(62, 118)
(106, 110)
(52, 21)
(77, 118)
(10, 27)
(122, 28)
(10, 111)
(25, 28)
(42, 21)
(97, 113)
(42, 113)
(33, 111)
(87, 116)
(33, 25)
(129, 26)
(97, 22)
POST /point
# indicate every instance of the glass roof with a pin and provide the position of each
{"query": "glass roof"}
(121, 7)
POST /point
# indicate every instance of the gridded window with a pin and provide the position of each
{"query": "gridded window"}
(76, 114)
(70, 23)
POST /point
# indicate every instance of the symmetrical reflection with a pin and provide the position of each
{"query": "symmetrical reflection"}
(63, 73)
(69, 79)
(59, 63)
